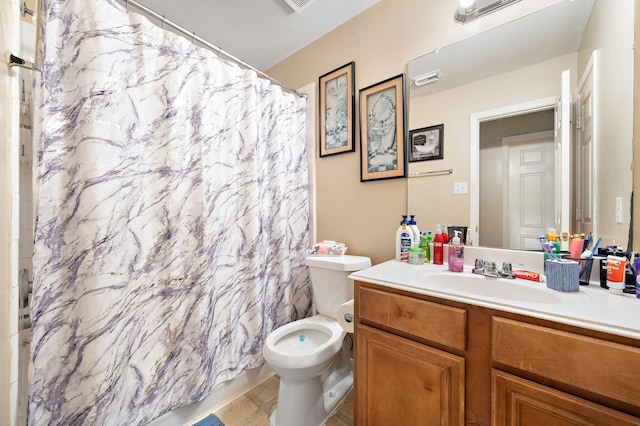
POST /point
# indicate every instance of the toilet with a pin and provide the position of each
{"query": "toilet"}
(312, 355)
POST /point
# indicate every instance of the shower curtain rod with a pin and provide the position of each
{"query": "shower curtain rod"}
(207, 44)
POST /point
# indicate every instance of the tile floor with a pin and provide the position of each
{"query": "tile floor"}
(255, 406)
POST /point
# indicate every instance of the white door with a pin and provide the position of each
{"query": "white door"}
(563, 161)
(529, 191)
(585, 146)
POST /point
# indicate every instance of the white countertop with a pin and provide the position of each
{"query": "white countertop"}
(592, 307)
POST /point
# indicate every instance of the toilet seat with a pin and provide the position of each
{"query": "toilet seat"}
(304, 343)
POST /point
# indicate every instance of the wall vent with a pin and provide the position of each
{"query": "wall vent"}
(298, 5)
(427, 78)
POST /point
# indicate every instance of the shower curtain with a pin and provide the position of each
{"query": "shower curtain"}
(171, 218)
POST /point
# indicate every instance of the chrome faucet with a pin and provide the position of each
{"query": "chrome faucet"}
(489, 269)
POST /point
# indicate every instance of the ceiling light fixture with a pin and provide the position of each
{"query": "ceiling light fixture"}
(472, 9)
(466, 4)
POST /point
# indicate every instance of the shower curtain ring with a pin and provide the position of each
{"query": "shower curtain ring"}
(126, 5)
(164, 20)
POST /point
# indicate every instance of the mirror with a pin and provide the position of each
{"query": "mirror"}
(490, 79)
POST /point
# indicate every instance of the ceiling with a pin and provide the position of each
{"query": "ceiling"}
(259, 32)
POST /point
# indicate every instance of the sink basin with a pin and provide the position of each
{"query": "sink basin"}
(496, 288)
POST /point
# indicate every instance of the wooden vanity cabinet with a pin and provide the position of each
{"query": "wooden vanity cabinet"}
(408, 383)
(421, 360)
(522, 402)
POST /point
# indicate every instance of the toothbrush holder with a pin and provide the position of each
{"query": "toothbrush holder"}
(563, 275)
(584, 269)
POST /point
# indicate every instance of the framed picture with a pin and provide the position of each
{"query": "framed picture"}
(382, 131)
(337, 102)
(426, 143)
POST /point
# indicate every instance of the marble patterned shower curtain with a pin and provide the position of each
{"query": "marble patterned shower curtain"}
(171, 218)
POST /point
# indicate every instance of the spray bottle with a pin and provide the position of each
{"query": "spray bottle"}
(445, 241)
(424, 243)
(438, 247)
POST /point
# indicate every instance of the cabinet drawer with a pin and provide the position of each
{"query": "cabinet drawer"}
(441, 324)
(605, 368)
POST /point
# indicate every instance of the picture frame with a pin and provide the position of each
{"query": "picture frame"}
(382, 130)
(426, 143)
(336, 110)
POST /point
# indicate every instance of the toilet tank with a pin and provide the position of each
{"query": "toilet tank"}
(330, 282)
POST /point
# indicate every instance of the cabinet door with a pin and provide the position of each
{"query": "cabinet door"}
(516, 401)
(401, 382)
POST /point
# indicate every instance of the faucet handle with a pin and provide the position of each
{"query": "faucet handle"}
(507, 270)
(478, 267)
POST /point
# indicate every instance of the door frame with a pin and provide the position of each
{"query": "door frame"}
(474, 149)
(591, 68)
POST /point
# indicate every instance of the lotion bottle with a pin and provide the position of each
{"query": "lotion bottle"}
(456, 254)
(404, 240)
(414, 228)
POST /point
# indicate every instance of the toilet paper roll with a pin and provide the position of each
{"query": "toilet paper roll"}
(345, 316)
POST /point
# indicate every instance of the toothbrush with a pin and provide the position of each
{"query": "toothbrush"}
(549, 249)
(595, 247)
(588, 254)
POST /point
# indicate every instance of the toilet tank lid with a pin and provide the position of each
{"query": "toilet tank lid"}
(345, 262)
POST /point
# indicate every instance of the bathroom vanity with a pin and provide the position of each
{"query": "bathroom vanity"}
(435, 347)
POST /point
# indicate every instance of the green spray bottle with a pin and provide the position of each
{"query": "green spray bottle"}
(425, 240)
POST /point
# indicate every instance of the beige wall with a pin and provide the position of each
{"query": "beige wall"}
(381, 41)
(609, 32)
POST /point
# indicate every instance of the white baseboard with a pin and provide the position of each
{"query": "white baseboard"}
(219, 397)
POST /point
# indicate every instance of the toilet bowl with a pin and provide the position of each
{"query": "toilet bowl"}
(313, 378)
(312, 356)
(305, 347)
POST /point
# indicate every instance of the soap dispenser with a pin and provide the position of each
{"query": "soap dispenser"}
(456, 254)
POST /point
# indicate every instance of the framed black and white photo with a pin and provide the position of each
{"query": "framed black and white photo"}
(426, 143)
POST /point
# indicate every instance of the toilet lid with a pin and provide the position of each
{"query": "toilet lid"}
(345, 262)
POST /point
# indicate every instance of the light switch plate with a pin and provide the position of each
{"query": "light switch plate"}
(460, 187)
(618, 209)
